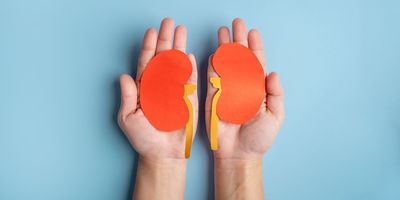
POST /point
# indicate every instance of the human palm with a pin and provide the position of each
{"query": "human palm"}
(253, 138)
(147, 140)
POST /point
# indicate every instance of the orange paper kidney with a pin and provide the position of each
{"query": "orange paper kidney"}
(242, 83)
(162, 90)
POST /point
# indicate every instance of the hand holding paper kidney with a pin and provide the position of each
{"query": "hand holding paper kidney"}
(241, 87)
(244, 106)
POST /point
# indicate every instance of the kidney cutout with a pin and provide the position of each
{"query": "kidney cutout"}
(242, 83)
(162, 90)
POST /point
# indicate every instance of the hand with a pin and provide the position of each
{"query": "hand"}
(249, 141)
(162, 163)
(148, 141)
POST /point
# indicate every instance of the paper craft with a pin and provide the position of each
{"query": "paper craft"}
(189, 89)
(241, 88)
(216, 83)
(163, 93)
(242, 83)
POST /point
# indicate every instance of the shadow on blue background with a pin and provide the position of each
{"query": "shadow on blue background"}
(59, 95)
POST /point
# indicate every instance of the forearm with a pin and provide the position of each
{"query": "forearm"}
(160, 179)
(238, 179)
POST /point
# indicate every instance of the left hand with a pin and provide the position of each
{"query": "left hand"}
(251, 140)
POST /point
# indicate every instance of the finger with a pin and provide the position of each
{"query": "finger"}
(239, 31)
(194, 98)
(180, 38)
(128, 96)
(193, 76)
(256, 45)
(164, 41)
(223, 35)
(148, 50)
(275, 96)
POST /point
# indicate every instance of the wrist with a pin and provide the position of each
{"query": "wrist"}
(238, 179)
(163, 163)
(164, 175)
(237, 163)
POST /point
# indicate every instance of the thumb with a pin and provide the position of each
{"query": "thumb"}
(275, 96)
(128, 96)
(193, 76)
(211, 90)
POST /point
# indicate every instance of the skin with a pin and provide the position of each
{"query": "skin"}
(161, 154)
(238, 160)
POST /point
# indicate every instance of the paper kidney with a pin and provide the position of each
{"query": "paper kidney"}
(162, 88)
(242, 83)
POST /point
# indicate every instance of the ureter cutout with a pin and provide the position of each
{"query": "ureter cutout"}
(189, 89)
(216, 83)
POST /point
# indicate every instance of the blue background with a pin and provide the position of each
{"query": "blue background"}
(59, 95)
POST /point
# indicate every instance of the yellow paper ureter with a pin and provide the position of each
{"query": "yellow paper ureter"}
(189, 89)
(216, 83)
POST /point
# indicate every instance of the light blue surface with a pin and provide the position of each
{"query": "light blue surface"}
(338, 60)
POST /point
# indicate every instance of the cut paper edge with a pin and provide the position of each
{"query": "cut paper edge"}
(189, 89)
(216, 83)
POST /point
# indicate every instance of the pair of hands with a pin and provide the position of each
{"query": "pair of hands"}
(248, 141)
